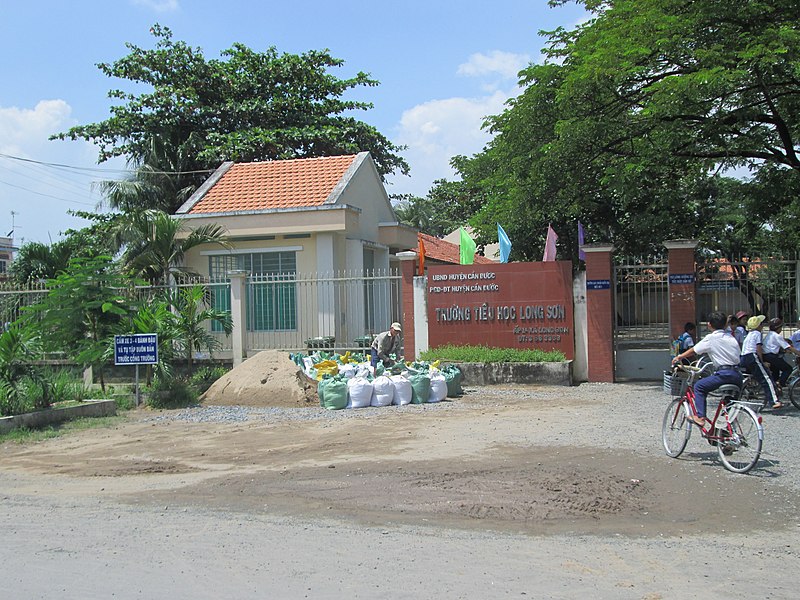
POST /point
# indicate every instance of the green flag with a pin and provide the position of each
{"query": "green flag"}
(467, 248)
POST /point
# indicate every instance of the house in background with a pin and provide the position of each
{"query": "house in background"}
(490, 251)
(7, 250)
(326, 218)
(441, 251)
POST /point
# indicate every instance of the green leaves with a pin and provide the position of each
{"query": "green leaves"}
(245, 106)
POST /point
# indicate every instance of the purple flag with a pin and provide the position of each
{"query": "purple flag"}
(581, 253)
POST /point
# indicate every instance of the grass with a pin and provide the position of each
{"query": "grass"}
(486, 354)
(24, 435)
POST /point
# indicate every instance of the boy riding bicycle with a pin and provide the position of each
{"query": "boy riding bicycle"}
(723, 350)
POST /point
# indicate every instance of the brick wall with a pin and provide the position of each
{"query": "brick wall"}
(600, 312)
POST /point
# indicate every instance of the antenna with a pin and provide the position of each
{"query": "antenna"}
(13, 224)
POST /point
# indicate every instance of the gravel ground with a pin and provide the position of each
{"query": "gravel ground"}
(611, 416)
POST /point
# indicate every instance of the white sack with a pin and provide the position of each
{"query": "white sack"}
(402, 390)
(438, 387)
(348, 370)
(382, 391)
(359, 392)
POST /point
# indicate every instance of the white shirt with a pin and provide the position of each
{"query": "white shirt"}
(721, 348)
(751, 342)
(774, 342)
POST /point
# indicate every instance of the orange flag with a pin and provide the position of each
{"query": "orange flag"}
(421, 257)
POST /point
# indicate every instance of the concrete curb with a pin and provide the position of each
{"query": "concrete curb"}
(52, 416)
(559, 373)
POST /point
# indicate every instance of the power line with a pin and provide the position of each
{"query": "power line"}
(100, 170)
(45, 195)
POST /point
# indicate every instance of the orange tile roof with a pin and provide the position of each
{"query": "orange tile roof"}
(439, 250)
(294, 183)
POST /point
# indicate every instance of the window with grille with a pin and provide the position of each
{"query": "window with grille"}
(271, 291)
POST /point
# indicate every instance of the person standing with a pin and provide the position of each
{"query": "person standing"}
(752, 359)
(385, 345)
(723, 351)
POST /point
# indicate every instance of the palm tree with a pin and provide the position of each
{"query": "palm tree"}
(155, 248)
(36, 261)
(192, 310)
(160, 180)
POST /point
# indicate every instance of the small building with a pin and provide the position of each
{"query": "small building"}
(7, 250)
(327, 217)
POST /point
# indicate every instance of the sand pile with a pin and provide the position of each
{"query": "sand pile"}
(270, 378)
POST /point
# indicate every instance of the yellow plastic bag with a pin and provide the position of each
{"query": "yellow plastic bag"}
(326, 367)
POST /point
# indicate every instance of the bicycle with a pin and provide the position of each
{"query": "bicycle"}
(735, 429)
(793, 385)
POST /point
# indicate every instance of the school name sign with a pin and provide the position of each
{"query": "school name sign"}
(511, 305)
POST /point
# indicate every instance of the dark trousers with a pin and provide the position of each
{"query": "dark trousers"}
(780, 368)
(754, 366)
(708, 384)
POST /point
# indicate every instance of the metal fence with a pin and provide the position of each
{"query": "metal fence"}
(767, 286)
(340, 311)
(14, 298)
(642, 299)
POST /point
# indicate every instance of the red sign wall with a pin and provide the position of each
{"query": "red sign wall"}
(505, 305)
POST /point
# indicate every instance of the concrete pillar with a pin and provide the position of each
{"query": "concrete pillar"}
(238, 281)
(682, 284)
(600, 311)
(408, 265)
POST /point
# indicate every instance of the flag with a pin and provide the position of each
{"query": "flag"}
(421, 257)
(505, 244)
(581, 253)
(550, 245)
(467, 247)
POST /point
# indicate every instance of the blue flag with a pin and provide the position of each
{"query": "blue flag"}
(505, 244)
(581, 253)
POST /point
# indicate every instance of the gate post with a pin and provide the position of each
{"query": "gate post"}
(407, 268)
(238, 281)
(682, 285)
(601, 312)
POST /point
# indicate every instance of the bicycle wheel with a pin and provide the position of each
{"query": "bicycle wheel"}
(675, 428)
(794, 393)
(740, 452)
(753, 394)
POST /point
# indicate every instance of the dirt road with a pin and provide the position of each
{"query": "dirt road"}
(505, 492)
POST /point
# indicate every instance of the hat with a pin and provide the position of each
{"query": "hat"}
(755, 322)
(741, 314)
(396, 327)
(775, 324)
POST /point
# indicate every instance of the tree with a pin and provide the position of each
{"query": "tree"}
(630, 123)
(246, 106)
(154, 246)
(192, 311)
(36, 261)
(82, 310)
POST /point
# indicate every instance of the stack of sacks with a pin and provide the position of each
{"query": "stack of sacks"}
(349, 381)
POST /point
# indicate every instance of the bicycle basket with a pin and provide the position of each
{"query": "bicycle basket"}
(675, 383)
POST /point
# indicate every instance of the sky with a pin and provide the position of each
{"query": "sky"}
(443, 66)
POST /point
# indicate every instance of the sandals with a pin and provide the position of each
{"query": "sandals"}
(777, 405)
(699, 421)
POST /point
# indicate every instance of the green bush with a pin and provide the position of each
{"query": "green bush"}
(171, 393)
(204, 377)
(485, 354)
(64, 387)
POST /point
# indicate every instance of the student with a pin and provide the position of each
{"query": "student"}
(774, 347)
(752, 359)
(723, 351)
(740, 330)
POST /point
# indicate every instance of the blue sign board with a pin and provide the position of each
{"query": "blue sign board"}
(137, 349)
(598, 284)
(682, 278)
